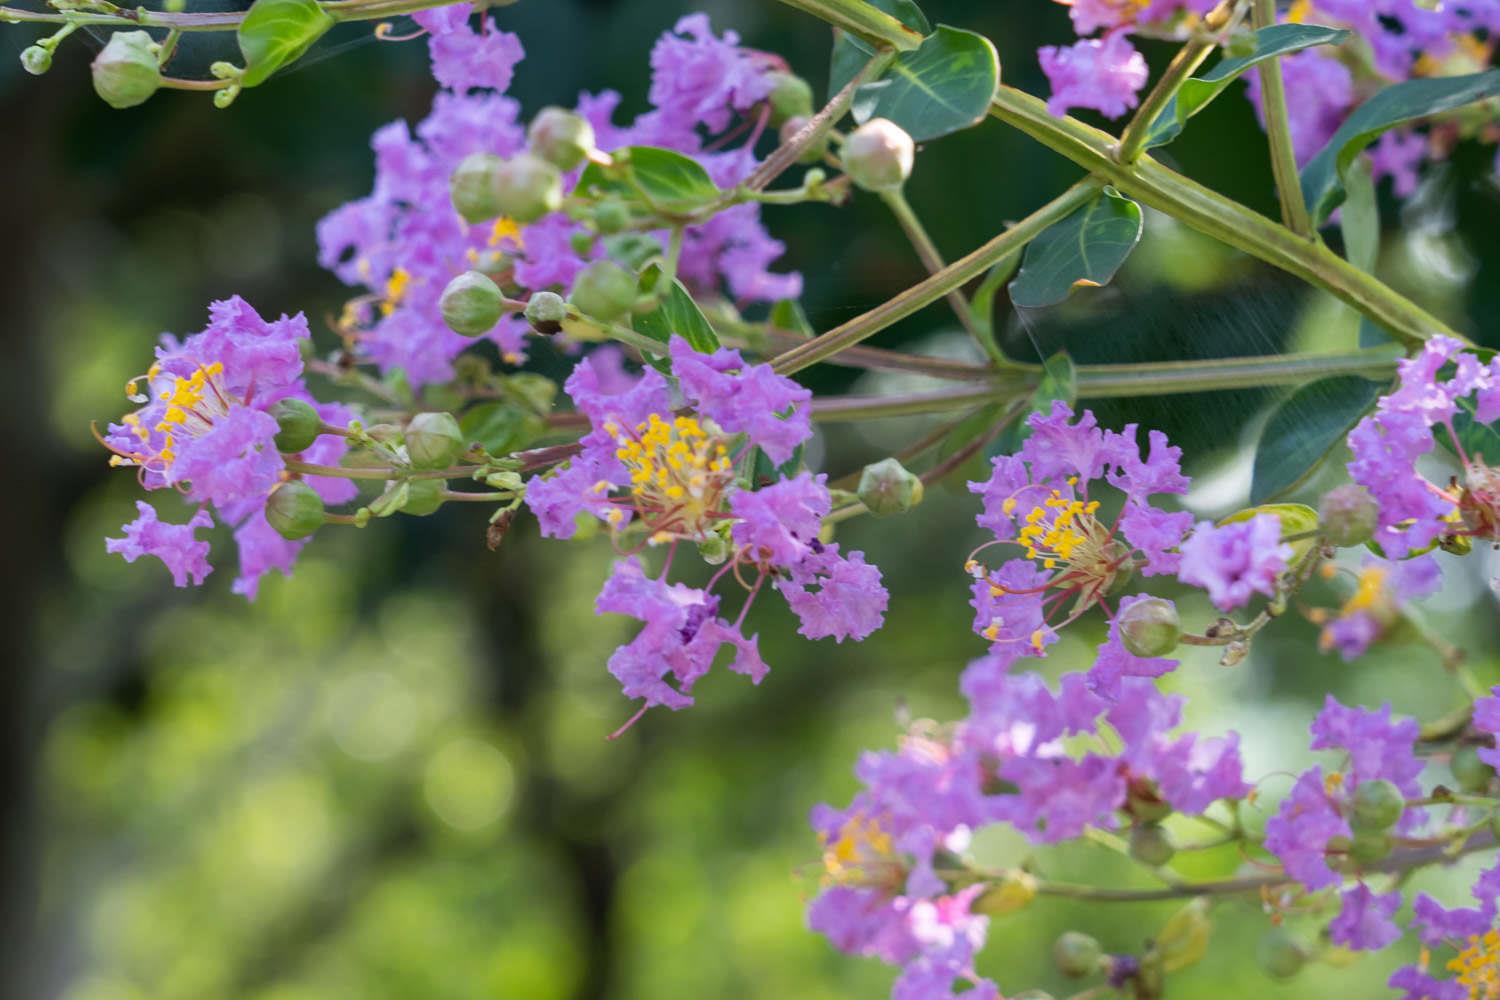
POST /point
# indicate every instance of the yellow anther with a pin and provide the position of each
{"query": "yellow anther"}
(1036, 640)
(395, 290)
(505, 228)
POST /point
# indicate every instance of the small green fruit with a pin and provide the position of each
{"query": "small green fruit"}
(294, 510)
(1076, 955)
(1150, 627)
(527, 187)
(561, 137)
(886, 487)
(1150, 845)
(545, 311)
(471, 304)
(471, 187)
(878, 156)
(125, 70)
(298, 425)
(1377, 806)
(604, 290)
(433, 440)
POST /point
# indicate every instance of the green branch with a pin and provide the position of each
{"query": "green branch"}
(1279, 134)
(862, 20)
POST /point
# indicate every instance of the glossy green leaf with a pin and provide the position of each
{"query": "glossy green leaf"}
(501, 427)
(1477, 440)
(275, 33)
(665, 178)
(1086, 248)
(1195, 94)
(850, 53)
(676, 313)
(1359, 222)
(944, 85)
(1296, 519)
(1059, 383)
(1324, 176)
(1304, 428)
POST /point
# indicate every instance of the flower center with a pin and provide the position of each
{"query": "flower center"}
(863, 854)
(679, 471)
(1478, 966)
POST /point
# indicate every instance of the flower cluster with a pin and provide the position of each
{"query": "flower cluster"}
(659, 465)
(405, 241)
(205, 429)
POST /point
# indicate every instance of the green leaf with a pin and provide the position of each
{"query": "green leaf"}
(1478, 440)
(944, 85)
(277, 32)
(975, 425)
(501, 427)
(671, 181)
(677, 313)
(1324, 176)
(850, 53)
(1305, 427)
(982, 302)
(1360, 221)
(1296, 519)
(787, 314)
(667, 180)
(1196, 93)
(1086, 248)
(764, 472)
(1059, 382)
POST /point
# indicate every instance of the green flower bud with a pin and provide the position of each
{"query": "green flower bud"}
(878, 155)
(1144, 802)
(1076, 954)
(433, 440)
(1281, 956)
(471, 186)
(603, 290)
(1150, 627)
(298, 425)
(581, 242)
(1150, 845)
(815, 149)
(790, 97)
(471, 304)
(36, 59)
(424, 496)
(1348, 515)
(1377, 806)
(561, 137)
(527, 187)
(1369, 846)
(714, 550)
(611, 216)
(125, 71)
(887, 488)
(545, 311)
(295, 510)
(1472, 774)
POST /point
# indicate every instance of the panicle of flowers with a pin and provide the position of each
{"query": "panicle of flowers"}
(206, 430)
(1038, 502)
(405, 241)
(658, 468)
(1415, 513)
(1381, 592)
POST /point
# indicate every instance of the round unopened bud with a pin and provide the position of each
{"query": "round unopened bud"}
(36, 59)
(790, 97)
(545, 311)
(603, 290)
(1377, 806)
(581, 243)
(1370, 846)
(1280, 955)
(1150, 627)
(471, 304)
(125, 70)
(886, 487)
(561, 137)
(611, 216)
(878, 155)
(1076, 954)
(1471, 773)
(1348, 515)
(423, 496)
(433, 440)
(295, 510)
(527, 187)
(714, 549)
(297, 425)
(1150, 845)
(471, 186)
(815, 149)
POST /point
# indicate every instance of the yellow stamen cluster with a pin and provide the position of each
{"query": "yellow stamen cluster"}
(192, 404)
(678, 470)
(1368, 592)
(1478, 966)
(862, 854)
(1051, 531)
(505, 228)
(395, 290)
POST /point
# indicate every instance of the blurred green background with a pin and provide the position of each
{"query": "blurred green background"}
(387, 778)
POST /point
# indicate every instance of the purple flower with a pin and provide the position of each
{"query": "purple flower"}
(1115, 662)
(1416, 984)
(464, 59)
(682, 634)
(1324, 94)
(185, 556)
(1234, 560)
(1487, 721)
(262, 549)
(1364, 922)
(779, 523)
(1379, 747)
(834, 596)
(1399, 155)
(1382, 590)
(698, 78)
(1300, 831)
(862, 922)
(770, 409)
(1104, 74)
